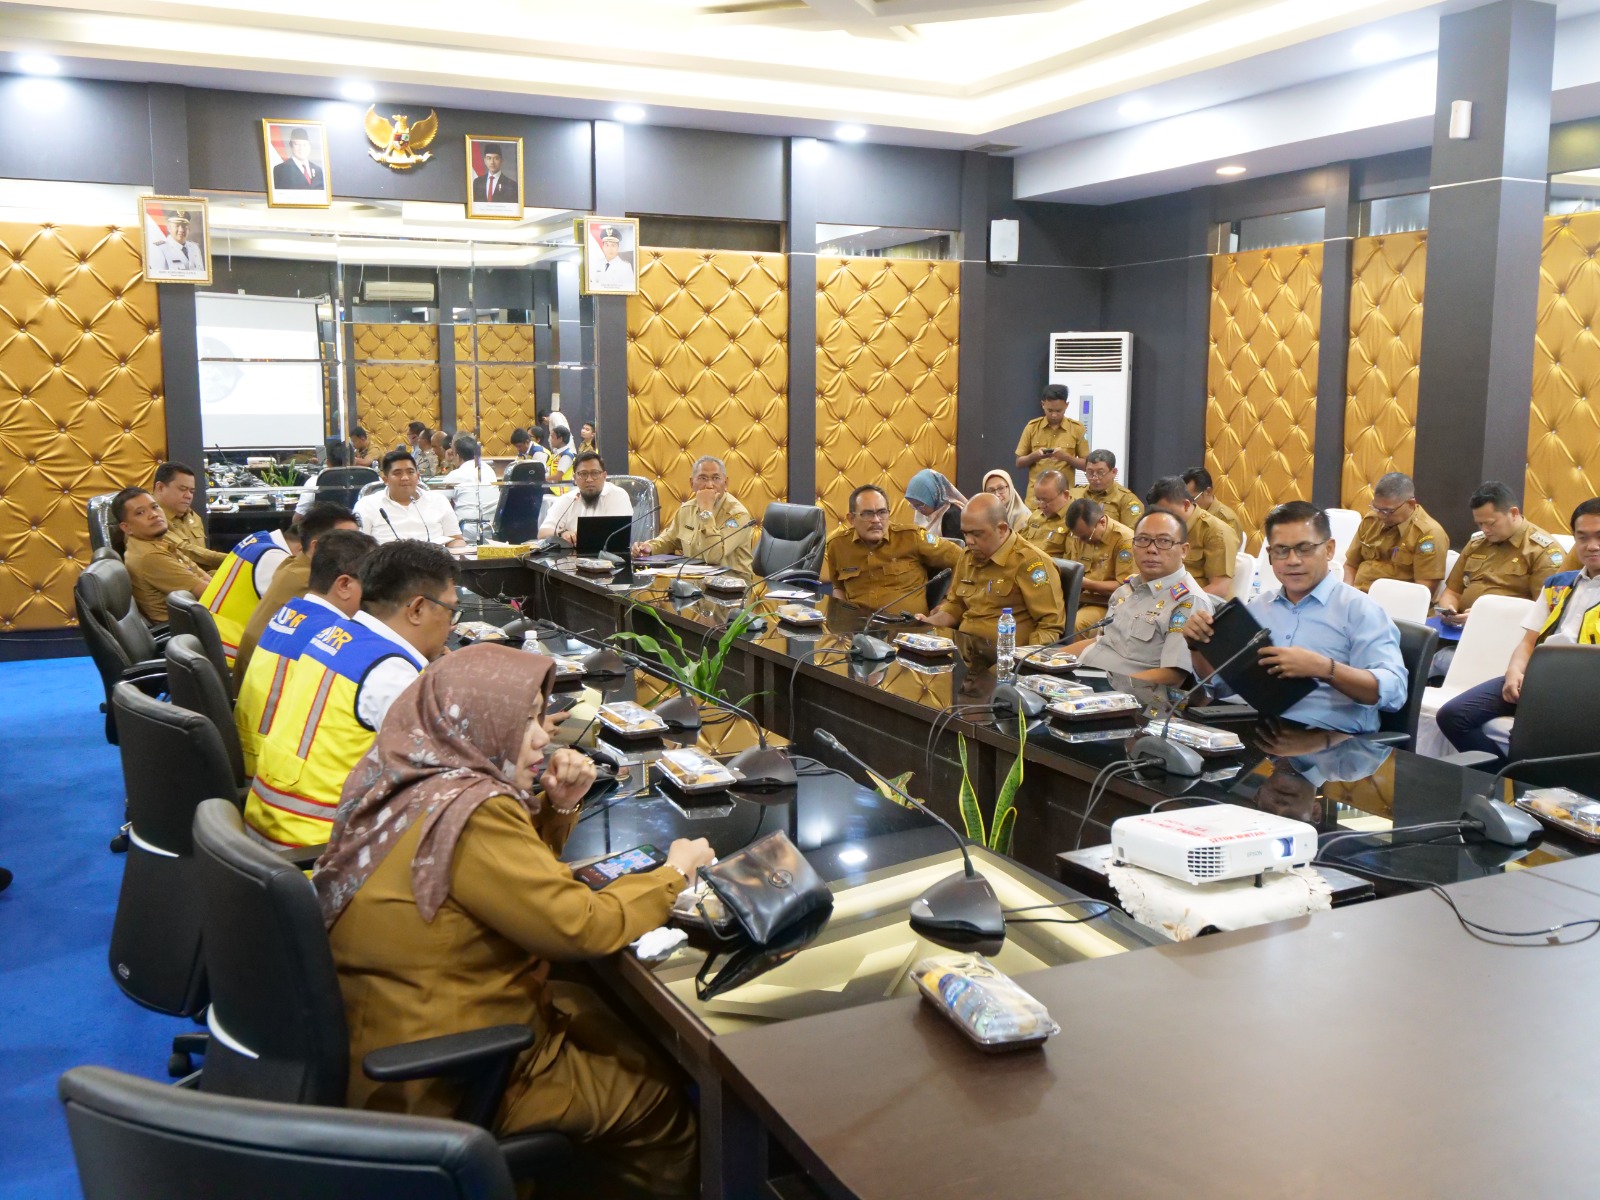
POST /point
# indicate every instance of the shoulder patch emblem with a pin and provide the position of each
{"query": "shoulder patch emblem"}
(1179, 619)
(1556, 558)
(731, 523)
(933, 538)
(1425, 546)
(1180, 590)
(1124, 555)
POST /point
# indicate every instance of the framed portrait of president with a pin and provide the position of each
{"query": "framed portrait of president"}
(494, 178)
(610, 256)
(296, 155)
(175, 239)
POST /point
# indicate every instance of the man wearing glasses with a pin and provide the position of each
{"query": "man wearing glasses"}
(595, 497)
(872, 562)
(1151, 609)
(1213, 552)
(1397, 539)
(1105, 548)
(1047, 528)
(1322, 629)
(707, 526)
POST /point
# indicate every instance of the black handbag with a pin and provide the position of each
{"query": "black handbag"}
(752, 960)
(767, 886)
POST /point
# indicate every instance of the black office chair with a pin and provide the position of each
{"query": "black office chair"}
(792, 539)
(343, 485)
(121, 644)
(186, 615)
(132, 1137)
(101, 553)
(525, 471)
(646, 504)
(1417, 644)
(516, 518)
(1071, 572)
(936, 591)
(100, 520)
(275, 994)
(1554, 717)
(193, 683)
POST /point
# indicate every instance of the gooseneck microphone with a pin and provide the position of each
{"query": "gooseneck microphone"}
(686, 589)
(1186, 760)
(961, 908)
(876, 649)
(384, 513)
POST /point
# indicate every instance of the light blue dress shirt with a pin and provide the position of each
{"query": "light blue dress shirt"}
(1345, 624)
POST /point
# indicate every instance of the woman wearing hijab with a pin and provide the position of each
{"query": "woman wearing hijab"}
(998, 483)
(446, 902)
(936, 503)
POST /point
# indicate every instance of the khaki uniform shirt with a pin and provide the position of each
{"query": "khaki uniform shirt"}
(888, 573)
(1227, 516)
(1213, 548)
(188, 534)
(703, 537)
(156, 568)
(1109, 558)
(1146, 630)
(1037, 435)
(1018, 577)
(1517, 566)
(1119, 503)
(1414, 549)
(1050, 534)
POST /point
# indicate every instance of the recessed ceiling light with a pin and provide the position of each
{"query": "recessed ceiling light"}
(1135, 109)
(1230, 170)
(1375, 47)
(849, 133)
(357, 91)
(631, 113)
(38, 64)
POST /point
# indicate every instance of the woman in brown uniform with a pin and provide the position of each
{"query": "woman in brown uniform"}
(446, 903)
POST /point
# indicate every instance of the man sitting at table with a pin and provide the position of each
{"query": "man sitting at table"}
(405, 509)
(174, 491)
(1046, 526)
(155, 565)
(237, 586)
(595, 497)
(292, 577)
(1321, 628)
(1213, 546)
(710, 525)
(1149, 610)
(873, 563)
(1105, 548)
(997, 571)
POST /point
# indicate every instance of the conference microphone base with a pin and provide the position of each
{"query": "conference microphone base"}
(680, 712)
(604, 664)
(863, 645)
(1174, 759)
(1010, 699)
(764, 769)
(683, 589)
(959, 911)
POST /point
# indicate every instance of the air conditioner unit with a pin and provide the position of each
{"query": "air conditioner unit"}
(1097, 369)
(396, 290)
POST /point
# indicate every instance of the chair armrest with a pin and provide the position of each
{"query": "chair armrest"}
(301, 856)
(149, 676)
(1388, 737)
(1470, 758)
(482, 1058)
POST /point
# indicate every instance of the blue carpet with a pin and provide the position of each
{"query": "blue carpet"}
(60, 804)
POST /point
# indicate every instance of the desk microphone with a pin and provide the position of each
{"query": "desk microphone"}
(960, 908)
(625, 578)
(1186, 760)
(384, 513)
(765, 769)
(862, 645)
(1548, 761)
(687, 589)
(1010, 698)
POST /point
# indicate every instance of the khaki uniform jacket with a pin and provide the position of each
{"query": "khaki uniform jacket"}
(289, 582)
(188, 534)
(1517, 566)
(1048, 533)
(1109, 558)
(1213, 548)
(1228, 517)
(1019, 577)
(1037, 435)
(1146, 630)
(513, 908)
(156, 568)
(1119, 503)
(694, 536)
(1414, 549)
(872, 576)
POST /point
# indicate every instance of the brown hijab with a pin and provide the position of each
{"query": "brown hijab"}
(448, 743)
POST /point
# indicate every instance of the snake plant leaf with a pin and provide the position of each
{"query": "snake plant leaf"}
(971, 814)
(886, 789)
(1005, 811)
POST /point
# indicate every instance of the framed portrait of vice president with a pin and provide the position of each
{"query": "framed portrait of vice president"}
(610, 256)
(494, 178)
(296, 156)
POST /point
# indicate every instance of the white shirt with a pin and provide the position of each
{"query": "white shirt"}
(557, 421)
(1585, 595)
(428, 518)
(614, 275)
(308, 495)
(389, 678)
(566, 509)
(472, 487)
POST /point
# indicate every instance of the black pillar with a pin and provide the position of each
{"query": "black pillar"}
(803, 158)
(611, 312)
(1340, 216)
(180, 368)
(1485, 229)
(977, 445)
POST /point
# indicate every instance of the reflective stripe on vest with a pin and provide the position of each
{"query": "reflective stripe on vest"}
(233, 593)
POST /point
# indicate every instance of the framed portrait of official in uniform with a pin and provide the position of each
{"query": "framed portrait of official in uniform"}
(175, 239)
(610, 256)
(296, 157)
(494, 178)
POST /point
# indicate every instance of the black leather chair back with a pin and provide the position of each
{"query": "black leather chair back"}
(273, 987)
(102, 552)
(1556, 715)
(1417, 644)
(193, 683)
(1071, 572)
(525, 471)
(134, 1137)
(792, 536)
(646, 504)
(100, 520)
(172, 759)
(517, 517)
(186, 615)
(343, 485)
(112, 627)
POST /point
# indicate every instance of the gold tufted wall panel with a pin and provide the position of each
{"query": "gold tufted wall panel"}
(81, 405)
(1380, 412)
(1261, 385)
(1564, 423)
(887, 357)
(708, 372)
(496, 374)
(397, 379)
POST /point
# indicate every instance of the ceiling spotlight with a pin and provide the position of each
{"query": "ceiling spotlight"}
(631, 113)
(358, 92)
(1375, 47)
(849, 133)
(1136, 109)
(1230, 170)
(38, 64)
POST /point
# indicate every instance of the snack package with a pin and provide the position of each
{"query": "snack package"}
(985, 1004)
(626, 717)
(1201, 737)
(1097, 704)
(1054, 689)
(1564, 806)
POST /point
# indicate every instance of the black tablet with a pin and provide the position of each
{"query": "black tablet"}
(1232, 628)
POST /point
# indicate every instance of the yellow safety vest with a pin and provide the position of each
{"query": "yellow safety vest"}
(1558, 593)
(317, 736)
(280, 647)
(234, 591)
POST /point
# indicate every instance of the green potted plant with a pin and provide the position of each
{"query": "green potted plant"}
(998, 838)
(703, 670)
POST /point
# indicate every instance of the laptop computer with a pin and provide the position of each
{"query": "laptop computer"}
(597, 535)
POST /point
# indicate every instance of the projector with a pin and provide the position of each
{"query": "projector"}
(1219, 841)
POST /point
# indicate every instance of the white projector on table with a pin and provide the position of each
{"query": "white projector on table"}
(1219, 841)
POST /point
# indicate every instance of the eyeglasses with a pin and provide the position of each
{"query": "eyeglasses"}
(872, 514)
(453, 609)
(590, 475)
(1144, 541)
(1303, 550)
(1389, 512)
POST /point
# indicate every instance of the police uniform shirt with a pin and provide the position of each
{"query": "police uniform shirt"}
(1517, 566)
(156, 567)
(1146, 630)
(1119, 503)
(887, 574)
(1048, 533)
(188, 534)
(1213, 548)
(709, 536)
(1414, 549)
(1037, 434)
(1227, 516)
(1018, 577)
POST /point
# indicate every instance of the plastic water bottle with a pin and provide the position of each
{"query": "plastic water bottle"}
(1005, 644)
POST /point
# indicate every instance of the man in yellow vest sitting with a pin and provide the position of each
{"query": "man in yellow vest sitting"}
(333, 592)
(343, 684)
(239, 583)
